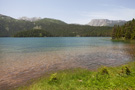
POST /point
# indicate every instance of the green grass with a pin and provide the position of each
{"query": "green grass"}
(105, 78)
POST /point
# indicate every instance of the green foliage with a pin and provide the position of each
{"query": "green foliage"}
(76, 30)
(104, 71)
(125, 71)
(33, 33)
(126, 31)
(53, 78)
(48, 21)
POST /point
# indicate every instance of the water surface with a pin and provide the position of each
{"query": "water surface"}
(25, 58)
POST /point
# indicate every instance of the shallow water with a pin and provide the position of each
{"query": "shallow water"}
(24, 58)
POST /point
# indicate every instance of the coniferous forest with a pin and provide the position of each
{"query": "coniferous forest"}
(125, 32)
(33, 33)
(67, 31)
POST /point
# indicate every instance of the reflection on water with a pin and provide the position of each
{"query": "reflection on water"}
(25, 58)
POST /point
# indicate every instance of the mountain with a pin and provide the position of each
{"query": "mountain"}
(14, 27)
(30, 19)
(106, 22)
(9, 26)
(49, 21)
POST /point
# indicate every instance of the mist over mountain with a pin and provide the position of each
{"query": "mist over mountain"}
(106, 22)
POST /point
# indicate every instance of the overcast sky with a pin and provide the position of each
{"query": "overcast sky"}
(70, 11)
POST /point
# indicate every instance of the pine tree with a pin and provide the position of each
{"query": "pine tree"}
(126, 31)
(114, 32)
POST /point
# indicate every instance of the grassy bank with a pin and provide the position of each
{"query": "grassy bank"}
(120, 78)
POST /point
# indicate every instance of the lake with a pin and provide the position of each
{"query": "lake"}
(22, 59)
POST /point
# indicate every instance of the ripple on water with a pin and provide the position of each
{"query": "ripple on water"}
(19, 67)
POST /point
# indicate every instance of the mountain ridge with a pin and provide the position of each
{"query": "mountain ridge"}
(106, 22)
(30, 19)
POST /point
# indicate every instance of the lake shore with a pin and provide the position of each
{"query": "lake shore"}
(121, 77)
(33, 65)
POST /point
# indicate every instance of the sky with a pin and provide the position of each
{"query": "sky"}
(70, 11)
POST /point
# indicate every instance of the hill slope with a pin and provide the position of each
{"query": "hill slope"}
(9, 26)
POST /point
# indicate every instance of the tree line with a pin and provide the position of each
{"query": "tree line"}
(33, 33)
(68, 31)
(127, 31)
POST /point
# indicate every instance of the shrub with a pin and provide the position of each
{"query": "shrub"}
(53, 78)
(104, 71)
(125, 71)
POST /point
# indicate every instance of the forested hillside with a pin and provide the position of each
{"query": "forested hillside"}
(126, 31)
(33, 33)
(11, 27)
(74, 30)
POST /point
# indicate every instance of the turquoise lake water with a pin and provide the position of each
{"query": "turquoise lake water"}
(27, 45)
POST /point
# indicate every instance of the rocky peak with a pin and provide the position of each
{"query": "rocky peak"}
(105, 22)
(30, 19)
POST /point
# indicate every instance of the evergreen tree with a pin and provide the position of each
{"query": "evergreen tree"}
(126, 31)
